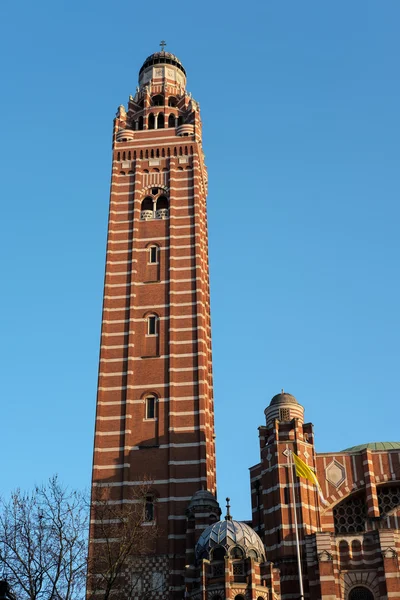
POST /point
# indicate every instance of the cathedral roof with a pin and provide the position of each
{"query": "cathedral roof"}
(162, 58)
(229, 534)
(374, 446)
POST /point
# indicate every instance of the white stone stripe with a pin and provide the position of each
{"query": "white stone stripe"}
(154, 482)
(170, 237)
(187, 462)
(104, 433)
(131, 372)
(163, 446)
(173, 247)
(188, 413)
(191, 429)
(153, 385)
(162, 356)
(171, 399)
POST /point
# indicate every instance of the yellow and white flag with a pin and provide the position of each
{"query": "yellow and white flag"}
(303, 470)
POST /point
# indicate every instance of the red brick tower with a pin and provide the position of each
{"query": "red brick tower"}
(155, 416)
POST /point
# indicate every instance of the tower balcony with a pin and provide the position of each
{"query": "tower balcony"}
(185, 130)
(149, 215)
(125, 135)
(146, 215)
(162, 213)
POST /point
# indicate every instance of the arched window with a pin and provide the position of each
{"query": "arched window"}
(147, 209)
(160, 121)
(149, 512)
(171, 121)
(119, 156)
(158, 100)
(162, 202)
(122, 172)
(218, 553)
(150, 407)
(162, 207)
(129, 155)
(152, 325)
(141, 154)
(180, 150)
(163, 152)
(172, 101)
(175, 153)
(123, 156)
(147, 154)
(356, 549)
(344, 553)
(253, 554)
(151, 121)
(361, 593)
(147, 203)
(140, 123)
(236, 552)
(153, 255)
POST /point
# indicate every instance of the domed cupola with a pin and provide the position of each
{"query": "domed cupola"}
(205, 501)
(162, 66)
(235, 538)
(284, 407)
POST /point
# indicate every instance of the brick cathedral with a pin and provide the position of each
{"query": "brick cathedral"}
(155, 407)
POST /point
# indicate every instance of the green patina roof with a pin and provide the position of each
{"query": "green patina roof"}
(374, 446)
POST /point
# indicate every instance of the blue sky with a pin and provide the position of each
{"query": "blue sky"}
(300, 107)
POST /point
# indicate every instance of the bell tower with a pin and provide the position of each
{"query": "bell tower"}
(155, 415)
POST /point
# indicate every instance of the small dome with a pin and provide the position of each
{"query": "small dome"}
(229, 534)
(375, 446)
(162, 58)
(283, 399)
(204, 498)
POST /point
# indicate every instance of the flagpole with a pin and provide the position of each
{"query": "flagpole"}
(296, 530)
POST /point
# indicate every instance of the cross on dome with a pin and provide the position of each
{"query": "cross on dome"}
(228, 516)
(163, 43)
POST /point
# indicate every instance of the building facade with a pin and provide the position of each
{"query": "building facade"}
(155, 413)
(350, 544)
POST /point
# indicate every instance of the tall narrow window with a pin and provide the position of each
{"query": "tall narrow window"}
(149, 509)
(286, 495)
(152, 325)
(150, 407)
(153, 255)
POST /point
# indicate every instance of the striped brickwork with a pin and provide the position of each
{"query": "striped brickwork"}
(174, 447)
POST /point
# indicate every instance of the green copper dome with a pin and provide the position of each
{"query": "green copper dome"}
(374, 446)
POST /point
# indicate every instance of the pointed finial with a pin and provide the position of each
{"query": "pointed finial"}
(162, 45)
(228, 516)
(282, 391)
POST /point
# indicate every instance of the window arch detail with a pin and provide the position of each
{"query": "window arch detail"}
(360, 592)
(156, 205)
